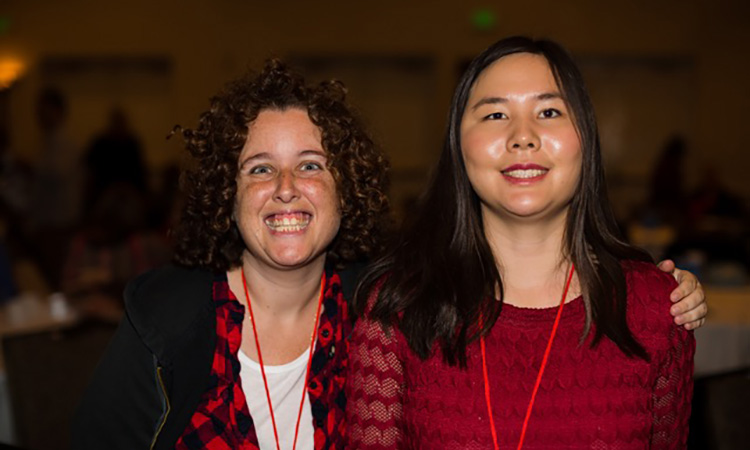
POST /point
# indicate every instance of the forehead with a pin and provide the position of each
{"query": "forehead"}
(515, 74)
(281, 120)
(282, 132)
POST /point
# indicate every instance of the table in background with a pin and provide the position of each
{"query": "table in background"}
(25, 314)
(723, 343)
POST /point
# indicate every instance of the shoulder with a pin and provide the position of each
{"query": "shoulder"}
(369, 326)
(156, 289)
(645, 276)
(164, 302)
(648, 296)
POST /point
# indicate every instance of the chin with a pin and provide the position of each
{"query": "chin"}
(524, 211)
(292, 261)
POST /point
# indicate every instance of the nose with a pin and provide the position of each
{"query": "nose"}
(523, 137)
(286, 187)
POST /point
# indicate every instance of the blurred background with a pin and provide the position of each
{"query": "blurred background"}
(89, 91)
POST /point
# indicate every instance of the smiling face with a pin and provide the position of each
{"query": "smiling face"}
(287, 207)
(519, 144)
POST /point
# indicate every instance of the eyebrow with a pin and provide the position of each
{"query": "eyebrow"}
(489, 101)
(314, 152)
(501, 100)
(266, 155)
(549, 96)
(255, 157)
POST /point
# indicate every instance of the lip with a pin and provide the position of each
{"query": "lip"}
(524, 174)
(287, 222)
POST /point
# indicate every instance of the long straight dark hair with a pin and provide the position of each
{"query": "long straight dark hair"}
(441, 274)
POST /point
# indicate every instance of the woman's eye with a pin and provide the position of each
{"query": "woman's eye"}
(549, 113)
(260, 170)
(495, 116)
(311, 166)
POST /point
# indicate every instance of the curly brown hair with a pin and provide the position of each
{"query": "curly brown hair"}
(207, 235)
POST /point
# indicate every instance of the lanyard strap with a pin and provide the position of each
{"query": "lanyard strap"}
(263, 370)
(487, 395)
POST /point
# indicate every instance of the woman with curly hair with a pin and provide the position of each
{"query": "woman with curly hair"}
(243, 343)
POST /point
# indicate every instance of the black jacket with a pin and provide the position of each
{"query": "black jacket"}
(151, 378)
(164, 344)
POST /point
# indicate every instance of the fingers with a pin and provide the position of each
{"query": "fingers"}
(694, 325)
(667, 266)
(690, 307)
(693, 319)
(691, 311)
(688, 283)
(686, 297)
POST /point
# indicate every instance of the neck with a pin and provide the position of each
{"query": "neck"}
(530, 260)
(284, 294)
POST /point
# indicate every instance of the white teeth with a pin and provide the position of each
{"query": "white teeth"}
(287, 229)
(525, 173)
(287, 224)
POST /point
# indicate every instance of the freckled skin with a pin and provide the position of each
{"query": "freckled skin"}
(283, 173)
(515, 115)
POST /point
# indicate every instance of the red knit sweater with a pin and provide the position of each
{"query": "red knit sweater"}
(594, 398)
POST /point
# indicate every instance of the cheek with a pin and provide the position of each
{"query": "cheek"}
(572, 159)
(480, 148)
(575, 159)
(329, 205)
(323, 195)
(248, 198)
(333, 200)
(564, 142)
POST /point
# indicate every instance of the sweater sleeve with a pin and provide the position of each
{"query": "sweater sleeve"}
(672, 392)
(375, 387)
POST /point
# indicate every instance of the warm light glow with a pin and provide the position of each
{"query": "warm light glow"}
(10, 70)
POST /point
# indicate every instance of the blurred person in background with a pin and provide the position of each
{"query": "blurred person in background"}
(116, 241)
(667, 185)
(55, 203)
(242, 344)
(113, 246)
(667, 193)
(713, 199)
(13, 200)
(514, 263)
(655, 225)
(57, 189)
(15, 184)
(114, 158)
(716, 240)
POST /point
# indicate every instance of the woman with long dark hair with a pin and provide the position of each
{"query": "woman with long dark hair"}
(511, 313)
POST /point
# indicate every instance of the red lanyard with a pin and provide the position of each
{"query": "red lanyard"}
(263, 370)
(487, 395)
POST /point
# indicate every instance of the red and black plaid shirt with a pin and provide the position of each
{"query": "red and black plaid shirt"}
(222, 419)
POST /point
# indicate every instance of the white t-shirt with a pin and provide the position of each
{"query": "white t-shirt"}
(286, 384)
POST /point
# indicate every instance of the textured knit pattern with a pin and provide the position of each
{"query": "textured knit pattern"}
(589, 398)
(222, 419)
